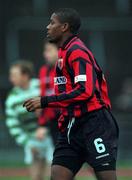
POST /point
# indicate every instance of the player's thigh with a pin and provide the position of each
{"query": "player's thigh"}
(59, 172)
(106, 175)
(66, 156)
(101, 138)
(37, 169)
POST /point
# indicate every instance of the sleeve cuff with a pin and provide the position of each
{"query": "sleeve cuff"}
(44, 102)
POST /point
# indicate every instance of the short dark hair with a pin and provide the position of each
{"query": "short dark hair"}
(70, 16)
(25, 66)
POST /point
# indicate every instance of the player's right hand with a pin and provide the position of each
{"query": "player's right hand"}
(32, 104)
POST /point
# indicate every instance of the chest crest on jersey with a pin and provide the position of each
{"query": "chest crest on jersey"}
(60, 63)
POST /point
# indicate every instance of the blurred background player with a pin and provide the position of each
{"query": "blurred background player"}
(49, 116)
(22, 125)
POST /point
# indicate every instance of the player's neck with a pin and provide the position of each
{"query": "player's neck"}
(64, 38)
(25, 85)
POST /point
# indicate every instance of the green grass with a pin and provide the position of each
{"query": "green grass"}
(90, 178)
(124, 165)
(79, 178)
(11, 164)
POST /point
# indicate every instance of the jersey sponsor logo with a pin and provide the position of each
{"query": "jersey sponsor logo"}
(60, 80)
(60, 63)
(80, 78)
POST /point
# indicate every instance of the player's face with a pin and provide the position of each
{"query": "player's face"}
(16, 77)
(50, 53)
(54, 29)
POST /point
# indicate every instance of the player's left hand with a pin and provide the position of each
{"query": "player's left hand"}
(32, 104)
(41, 133)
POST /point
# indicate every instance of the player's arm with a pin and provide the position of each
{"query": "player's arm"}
(84, 81)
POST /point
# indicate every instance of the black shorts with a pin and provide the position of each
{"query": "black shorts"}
(92, 138)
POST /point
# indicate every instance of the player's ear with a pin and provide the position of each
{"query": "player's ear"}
(65, 27)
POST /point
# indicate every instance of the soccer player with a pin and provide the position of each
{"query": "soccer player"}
(88, 130)
(49, 116)
(22, 125)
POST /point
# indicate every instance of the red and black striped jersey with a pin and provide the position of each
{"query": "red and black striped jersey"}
(80, 85)
(46, 77)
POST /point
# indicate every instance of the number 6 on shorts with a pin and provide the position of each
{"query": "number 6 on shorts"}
(100, 147)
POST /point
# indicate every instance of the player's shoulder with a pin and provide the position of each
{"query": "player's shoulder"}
(43, 71)
(34, 82)
(12, 94)
(76, 45)
(77, 49)
(43, 67)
